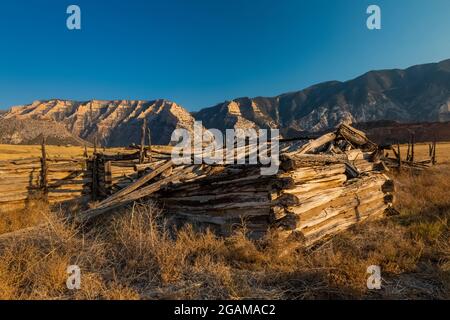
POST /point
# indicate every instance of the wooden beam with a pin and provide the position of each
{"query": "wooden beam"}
(108, 175)
(94, 186)
(408, 152)
(85, 154)
(149, 150)
(142, 149)
(433, 158)
(141, 181)
(317, 143)
(132, 196)
(44, 168)
(95, 144)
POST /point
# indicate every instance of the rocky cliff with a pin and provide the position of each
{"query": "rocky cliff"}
(112, 123)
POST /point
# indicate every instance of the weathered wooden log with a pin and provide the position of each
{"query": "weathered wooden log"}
(145, 166)
(25, 166)
(130, 197)
(356, 137)
(339, 224)
(317, 143)
(142, 150)
(356, 205)
(123, 164)
(364, 165)
(318, 184)
(302, 175)
(119, 157)
(316, 200)
(293, 161)
(140, 182)
(15, 196)
(433, 156)
(20, 161)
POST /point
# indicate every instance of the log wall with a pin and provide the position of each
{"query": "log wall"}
(309, 201)
(58, 181)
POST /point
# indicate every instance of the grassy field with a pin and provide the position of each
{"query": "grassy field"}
(133, 255)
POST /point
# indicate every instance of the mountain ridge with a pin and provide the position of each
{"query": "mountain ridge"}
(420, 93)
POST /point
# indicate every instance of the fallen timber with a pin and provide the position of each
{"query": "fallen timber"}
(323, 186)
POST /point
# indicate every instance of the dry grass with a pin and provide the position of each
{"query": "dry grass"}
(135, 255)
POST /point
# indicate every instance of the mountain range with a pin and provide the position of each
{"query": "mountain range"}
(417, 94)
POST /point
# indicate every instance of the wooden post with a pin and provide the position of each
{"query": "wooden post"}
(44, 169)
(95, 145)
(399, 157)
(108, 175)
(408, 152)
(85, 154)
(433, 157)
(413, 141)
(94, 176)
(142, 149)
(149, 144)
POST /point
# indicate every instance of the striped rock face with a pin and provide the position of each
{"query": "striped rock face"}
(112, 123)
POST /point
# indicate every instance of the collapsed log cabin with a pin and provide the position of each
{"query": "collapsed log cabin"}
(323, 186)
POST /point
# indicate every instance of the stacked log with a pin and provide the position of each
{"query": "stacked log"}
(21, 180)
(325, 200)
(314, 195)
(116, 171)
(311, 200)
(68, 179)
(222, 200)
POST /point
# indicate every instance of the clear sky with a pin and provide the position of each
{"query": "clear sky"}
(201, 52)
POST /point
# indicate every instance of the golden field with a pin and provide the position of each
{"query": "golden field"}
(24, 151)
(421, 151)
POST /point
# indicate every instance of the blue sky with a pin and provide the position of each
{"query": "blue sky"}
(201, 52)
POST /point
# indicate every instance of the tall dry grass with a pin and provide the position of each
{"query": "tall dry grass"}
(134, 254)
